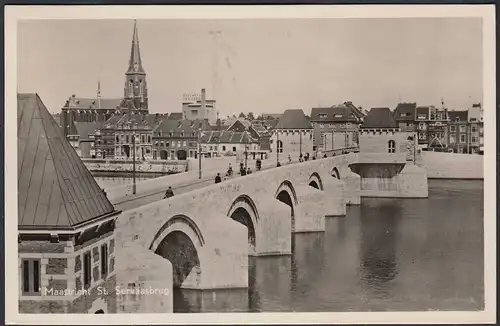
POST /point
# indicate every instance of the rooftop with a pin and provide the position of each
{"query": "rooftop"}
(379, 118)
(294, 119)
(55, 189)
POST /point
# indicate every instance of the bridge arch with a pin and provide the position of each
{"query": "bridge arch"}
(287, 195)
(180, 241)
(315, 181)
(335, 173)
(244, 211)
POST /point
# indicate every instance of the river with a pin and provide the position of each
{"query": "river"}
(385, 255)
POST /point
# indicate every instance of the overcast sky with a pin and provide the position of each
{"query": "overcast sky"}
(259, 65)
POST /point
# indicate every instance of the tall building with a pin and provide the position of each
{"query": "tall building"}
(200, 109)
(66, 223)
(404, 114)
(100, 109)
(432, 126)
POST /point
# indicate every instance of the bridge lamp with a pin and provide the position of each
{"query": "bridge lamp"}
(246, 143)
(133, 161)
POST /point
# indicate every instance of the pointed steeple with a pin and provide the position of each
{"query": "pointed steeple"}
(135, 62)
(99, 92)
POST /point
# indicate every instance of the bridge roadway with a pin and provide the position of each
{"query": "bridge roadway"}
(144, 198)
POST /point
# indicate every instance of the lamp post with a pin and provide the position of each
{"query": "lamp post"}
(246, 145)
(133, 163)
(277, 148)
(199, 153)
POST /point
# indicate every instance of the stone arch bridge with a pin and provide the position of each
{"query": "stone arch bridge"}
(202, 239)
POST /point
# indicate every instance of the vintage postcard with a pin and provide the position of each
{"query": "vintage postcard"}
(250, 164)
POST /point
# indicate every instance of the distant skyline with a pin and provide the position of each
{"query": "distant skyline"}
(259, 66)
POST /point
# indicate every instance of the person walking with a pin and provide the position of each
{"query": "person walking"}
(169, 193)
(217, 178)
(289, 159)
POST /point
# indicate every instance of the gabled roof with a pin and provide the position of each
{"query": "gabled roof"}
(339, 113)
(55, 189)
(175, 116)
(357, 112)
(239, 125)
(379, 118)
(462, 116)
(84, 129)
(405, 112)
(227, 137)
(294, 119)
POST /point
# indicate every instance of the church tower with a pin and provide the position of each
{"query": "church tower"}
(136, 89)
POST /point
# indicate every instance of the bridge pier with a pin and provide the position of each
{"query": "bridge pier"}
(335, 201)
(273, 231)
(223, 257)
(310, 211)
(352, 183)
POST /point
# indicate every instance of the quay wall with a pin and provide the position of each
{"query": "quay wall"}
(451, 165)
(123, 166)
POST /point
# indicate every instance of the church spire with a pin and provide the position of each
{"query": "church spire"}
(99, 92)
(135, 62)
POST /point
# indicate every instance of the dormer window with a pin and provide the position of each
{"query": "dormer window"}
(322, 115)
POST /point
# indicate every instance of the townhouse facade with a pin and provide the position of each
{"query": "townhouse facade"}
(336, 126)
(432, 126)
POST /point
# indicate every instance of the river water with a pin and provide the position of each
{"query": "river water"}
(385, 255)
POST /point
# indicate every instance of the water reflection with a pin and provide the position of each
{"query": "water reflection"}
(378, 244)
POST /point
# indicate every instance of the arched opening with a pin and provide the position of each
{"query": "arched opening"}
(100, 311)
(315, 181)
(335, 173)
(284, 197)
(391, 146)
(242, 216)
(181, 154)
(178, 248)
(244, 211)
(279, 145)
(314, 184)
(163, 154)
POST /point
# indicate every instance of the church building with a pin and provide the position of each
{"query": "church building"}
(98, 109)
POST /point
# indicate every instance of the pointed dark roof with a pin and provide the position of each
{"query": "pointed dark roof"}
(379, 118)
(458, 116)
(135, 62)
(55, 189)
(337, 113)
(405, 112)
(294, 119)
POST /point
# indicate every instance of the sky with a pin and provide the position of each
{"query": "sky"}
(259, 66)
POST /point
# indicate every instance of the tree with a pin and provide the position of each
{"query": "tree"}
(250, 116)
(242, 115)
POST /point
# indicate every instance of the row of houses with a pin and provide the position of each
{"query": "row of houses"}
(167, 137)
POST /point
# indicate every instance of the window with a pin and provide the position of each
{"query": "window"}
(462, 139)
(408, 124)
(462, 128)
(473, 128)
(453, 128)
(87, 270)
(234, 148)
(148, 150)
(223, 147)
(453, 139)
(31, 276)
(149, 138)
(279, 144)
(392, 146)
(127, 139)
(104, 260)
(474, 139)
(143, 138)
(184, 143)
(117, 139)
(422, 116)
(322, 115)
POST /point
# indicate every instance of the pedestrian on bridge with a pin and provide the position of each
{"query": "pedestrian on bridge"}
(169, 193)
(217, 178)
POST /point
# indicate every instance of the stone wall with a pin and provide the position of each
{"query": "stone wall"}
(99, 165)
(452, 166)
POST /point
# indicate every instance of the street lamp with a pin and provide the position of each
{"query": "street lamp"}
(133, 162)
(199, 153)
(277, 147)
(246, 150)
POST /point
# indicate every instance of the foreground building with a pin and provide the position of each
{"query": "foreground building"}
(228, 143)
(65, 222)
(404, 114)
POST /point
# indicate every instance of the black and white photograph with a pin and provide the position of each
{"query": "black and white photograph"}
(218, 164)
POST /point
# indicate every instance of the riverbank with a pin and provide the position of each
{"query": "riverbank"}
(452, 165)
